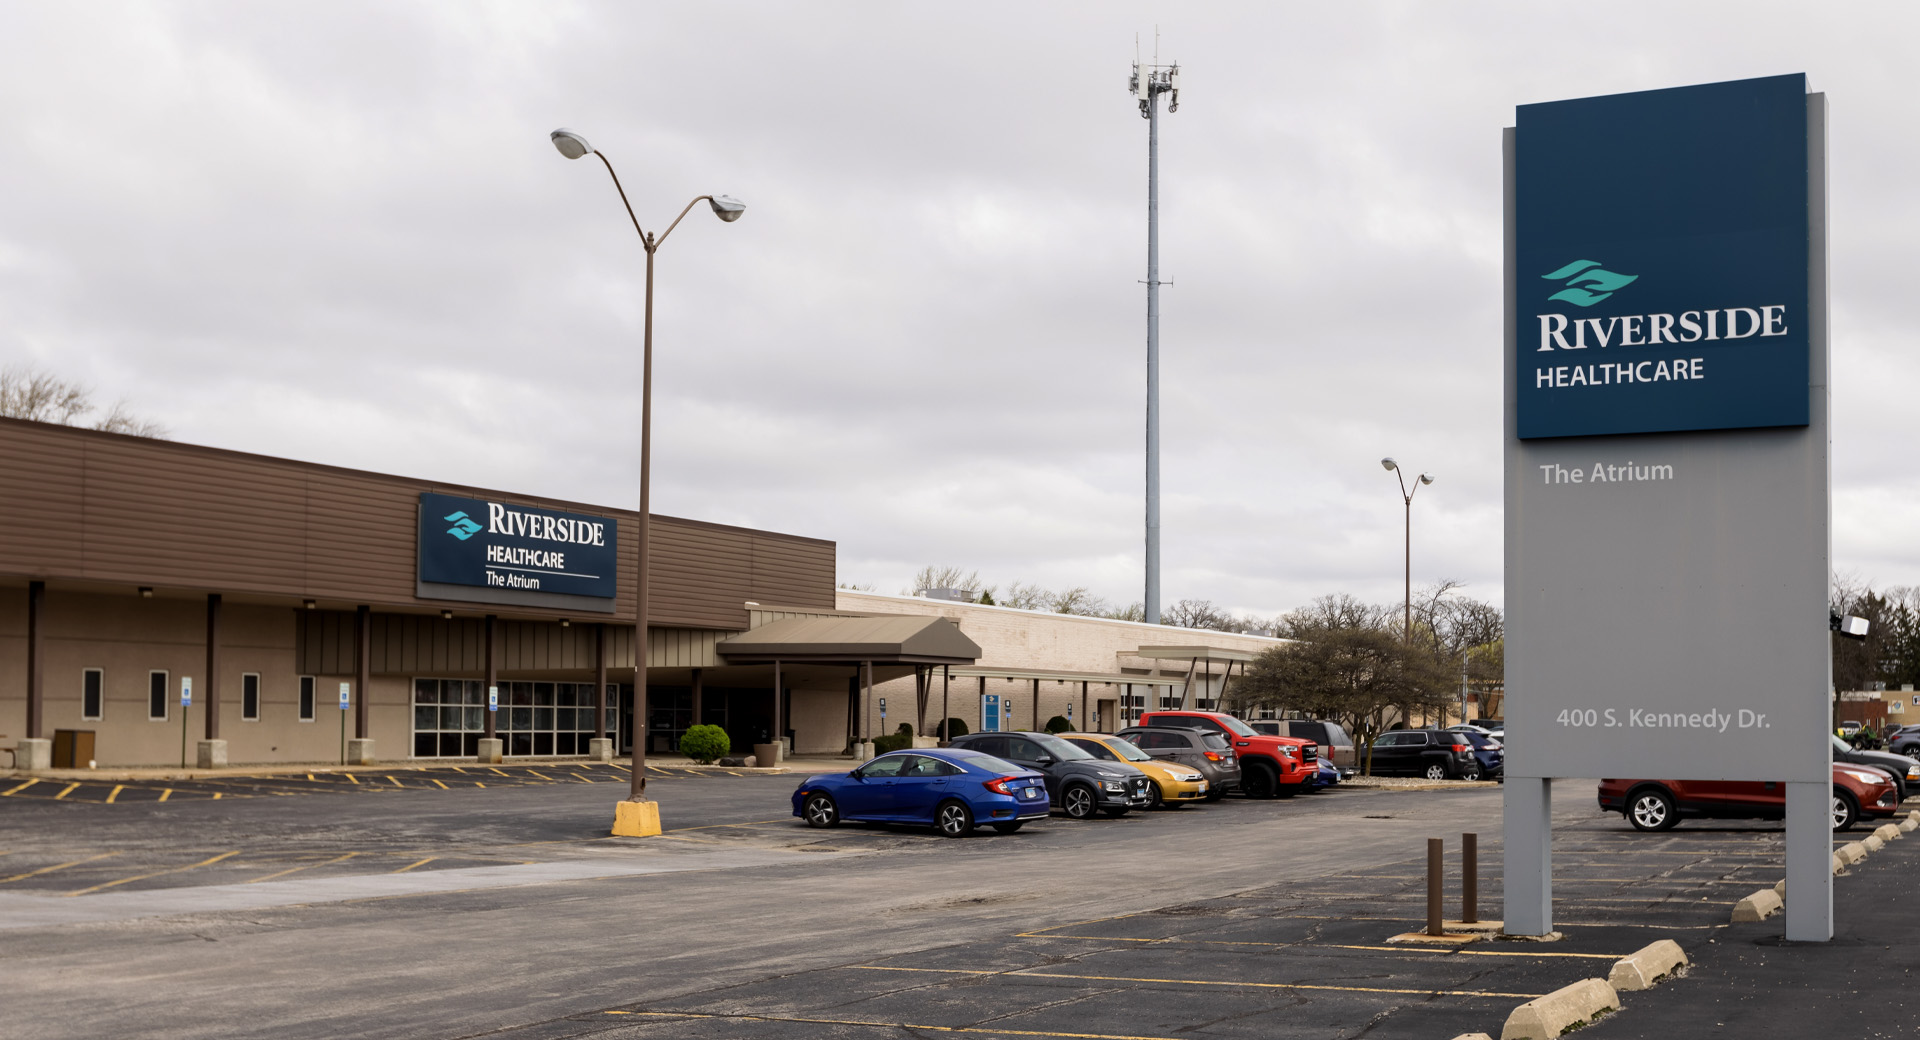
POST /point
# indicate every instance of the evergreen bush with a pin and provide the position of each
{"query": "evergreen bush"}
(1058, 724)
(703, 744)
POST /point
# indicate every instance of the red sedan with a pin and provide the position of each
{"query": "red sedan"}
(1658, 805)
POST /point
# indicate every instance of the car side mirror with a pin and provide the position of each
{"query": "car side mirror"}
(858, 775)
(1044, 759)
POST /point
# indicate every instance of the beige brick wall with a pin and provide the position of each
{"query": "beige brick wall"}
(1028, 639)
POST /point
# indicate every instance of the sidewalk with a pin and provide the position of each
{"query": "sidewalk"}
(798, 764)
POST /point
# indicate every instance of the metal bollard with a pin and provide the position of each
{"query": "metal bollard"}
(1436, 865)
(1470, 878)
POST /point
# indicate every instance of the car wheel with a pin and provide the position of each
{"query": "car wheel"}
(1436, 771)
(1214, 794)
(1078, 801)
(1258, 782)
(1155, 800)
(1846, 811)
(954, 819)
(1651, 810)
(1009, 828)
(1472, 772)
(820, 811)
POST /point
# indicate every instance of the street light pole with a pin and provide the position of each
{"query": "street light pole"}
(1406, 496)
(727, 208)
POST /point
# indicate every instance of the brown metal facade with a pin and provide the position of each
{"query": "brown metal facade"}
(80, 505)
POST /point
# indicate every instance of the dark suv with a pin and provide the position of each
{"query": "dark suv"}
(1079, 784)
(1431, 753)
(1207, 750)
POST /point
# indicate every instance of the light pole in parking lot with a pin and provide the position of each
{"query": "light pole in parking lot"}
(637, 816)
(1406, 495)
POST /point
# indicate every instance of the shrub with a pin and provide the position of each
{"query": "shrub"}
(1058, 724)
(892, 742)
(952, 728)
(703, 744)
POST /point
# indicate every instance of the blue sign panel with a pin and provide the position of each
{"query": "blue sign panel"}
(1662, 254)
(515, 548)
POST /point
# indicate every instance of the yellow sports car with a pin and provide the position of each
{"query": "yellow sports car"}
(1174, 785)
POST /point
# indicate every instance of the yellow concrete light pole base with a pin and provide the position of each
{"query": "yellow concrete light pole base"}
(636, 819)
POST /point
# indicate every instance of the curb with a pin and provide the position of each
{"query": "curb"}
(1908, 826)
(1569, 1007)
(1888, 832)
(1646, 967)
(1757, 907)
(1873, 843)
(1852, 852)
(1839, 865)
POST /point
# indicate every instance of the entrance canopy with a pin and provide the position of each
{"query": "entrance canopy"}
(892, 639)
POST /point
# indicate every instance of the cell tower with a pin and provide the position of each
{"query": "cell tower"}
(1149, 82)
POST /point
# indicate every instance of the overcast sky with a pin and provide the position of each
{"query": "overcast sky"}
(337, 232)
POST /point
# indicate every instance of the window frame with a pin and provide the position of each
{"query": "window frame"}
(99, 694)
(166, 702)
(244, 676)
(308, 706)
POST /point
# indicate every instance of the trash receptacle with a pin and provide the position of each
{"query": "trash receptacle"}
(72, 748)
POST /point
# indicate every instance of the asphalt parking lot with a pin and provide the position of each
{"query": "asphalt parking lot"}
(504, 911)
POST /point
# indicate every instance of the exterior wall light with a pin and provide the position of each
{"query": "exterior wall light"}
(309, 604)
(146, 592)
(446, 615)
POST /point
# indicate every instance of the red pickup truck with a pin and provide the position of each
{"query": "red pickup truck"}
(1269, 766)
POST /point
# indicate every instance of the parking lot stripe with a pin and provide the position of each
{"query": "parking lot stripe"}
(443, 787)
(888, 1025)
(295, 870)
(22, 787)
(1174, 939)
(115, 793)
(69, 789)
(57, 866)
(415, 863)
(1022, 973)
(165, 793)
(158, 873)
(396, 781)
(351, 779)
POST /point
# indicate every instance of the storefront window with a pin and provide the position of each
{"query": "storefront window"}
(535, 718)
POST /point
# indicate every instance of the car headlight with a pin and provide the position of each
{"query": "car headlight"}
(1867, 778)
(1191, 776)
(1289, 751)
(1113, 785)
(1913, 772)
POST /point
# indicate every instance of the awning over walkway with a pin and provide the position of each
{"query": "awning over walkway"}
(1104, 678)
(1195, 653)
(893, 639)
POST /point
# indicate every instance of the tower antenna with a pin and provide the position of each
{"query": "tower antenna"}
(1149, 82)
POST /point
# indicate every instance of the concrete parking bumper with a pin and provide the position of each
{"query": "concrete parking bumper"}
(1545, 1018)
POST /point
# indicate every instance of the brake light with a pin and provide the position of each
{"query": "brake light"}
(998, 785)
(1461, 749)
(1213, 756)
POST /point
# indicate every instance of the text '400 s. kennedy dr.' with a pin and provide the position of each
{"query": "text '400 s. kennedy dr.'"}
(517, 549)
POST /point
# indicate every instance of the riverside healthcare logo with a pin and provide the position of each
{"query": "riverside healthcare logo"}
(463, 526)
(1587, 273)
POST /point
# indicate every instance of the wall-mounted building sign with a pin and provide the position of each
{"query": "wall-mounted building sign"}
(1661, 246)
(515, 553)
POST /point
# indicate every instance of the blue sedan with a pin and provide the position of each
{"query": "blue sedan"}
(951, 789)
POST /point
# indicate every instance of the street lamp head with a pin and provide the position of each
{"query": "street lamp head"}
(571, 144)
(1389, 465)
(1426, 478)
(727, 208)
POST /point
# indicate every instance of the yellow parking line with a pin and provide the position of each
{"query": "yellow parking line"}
(457, 769)
(502, 772)
(443, 787)
(1022, 973)
(219, 794)
(586, 779)
(542, 776)
(115, 793)
(1074, 924)
(396, 782)
(712, 826)
(416, 863)
(311, 777)
(69, 789)
(477, 783)
(22, 787)
(351, 779)
(166, 793)
(295, 870)
(57, 866)
(888, 1025)
(158, 873)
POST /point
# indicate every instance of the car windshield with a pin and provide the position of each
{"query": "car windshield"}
(989, 763)
(1124, 748)
(1061, 750)
(1840, 745)
(1240, 729)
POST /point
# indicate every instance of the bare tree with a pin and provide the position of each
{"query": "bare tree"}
(1197, 613)
(1076, 600)
(934, 577)
(1022, 596)
(40, 396)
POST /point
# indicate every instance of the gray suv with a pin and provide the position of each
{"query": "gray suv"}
(1204, 749)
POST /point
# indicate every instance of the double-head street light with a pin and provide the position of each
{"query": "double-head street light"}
(1406, 494)
(727, 208)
